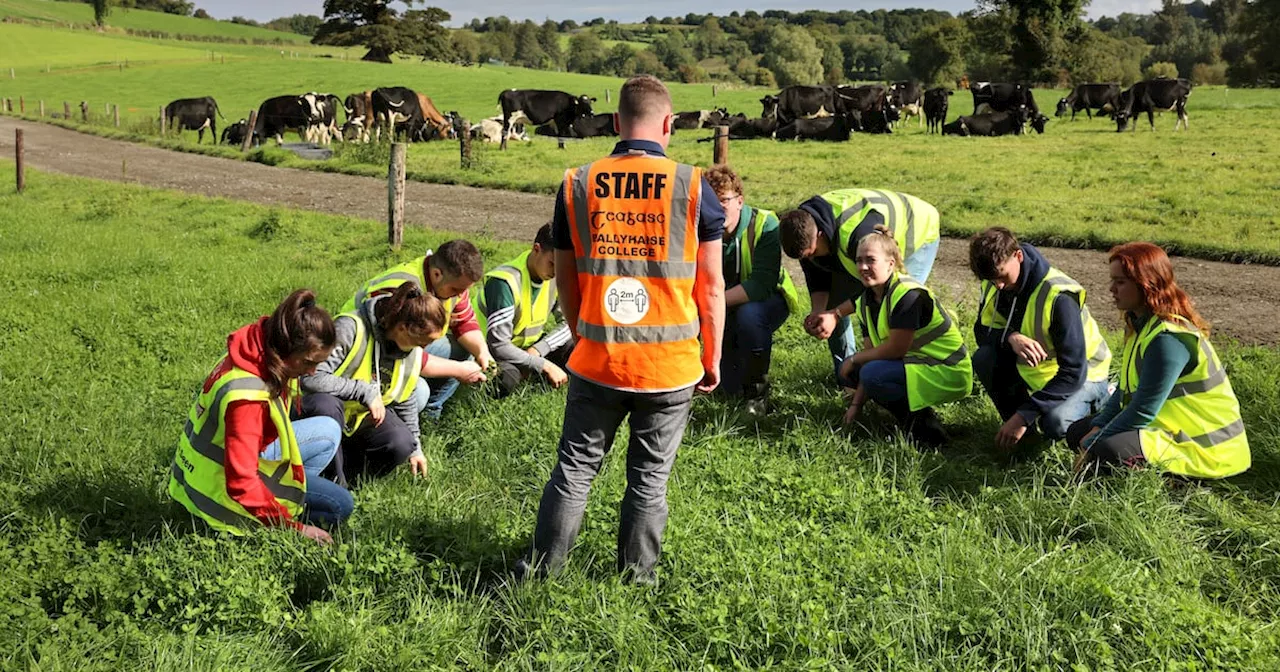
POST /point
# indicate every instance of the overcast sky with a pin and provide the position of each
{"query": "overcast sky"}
(581, 11)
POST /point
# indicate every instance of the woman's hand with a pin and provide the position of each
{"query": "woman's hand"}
(418, 465)
(377, 411)
(471, 373)
(319, 535)
(855, 406)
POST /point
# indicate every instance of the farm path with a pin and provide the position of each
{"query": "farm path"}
(1242, 302)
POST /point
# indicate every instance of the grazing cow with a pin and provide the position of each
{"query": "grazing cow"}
(685, 121)
(833, 129)
(1089, 97)
(359, 108)
(990, 124)
(281, 114)
(394, 106)
(235, 133)
(807, 102)
(908, 99)
(536, 107)
(1151, 96)
(429, 122)
(869, 108)
(1003, 97)
(490, 130)
(194, 114)
(936, 102)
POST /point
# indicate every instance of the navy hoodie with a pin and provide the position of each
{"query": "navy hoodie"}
(818, 270)
(1066, 332)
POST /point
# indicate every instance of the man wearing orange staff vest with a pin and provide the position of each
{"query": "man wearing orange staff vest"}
(638, 270)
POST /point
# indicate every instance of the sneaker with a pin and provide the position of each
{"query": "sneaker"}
(927, 429)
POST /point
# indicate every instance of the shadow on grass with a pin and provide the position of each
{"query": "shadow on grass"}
(469, 547)
(112, 505)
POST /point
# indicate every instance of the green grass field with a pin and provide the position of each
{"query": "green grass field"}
(1209, 192)
(81, 14)
(791, 544)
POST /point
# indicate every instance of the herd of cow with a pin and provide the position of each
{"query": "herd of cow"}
(796, 113)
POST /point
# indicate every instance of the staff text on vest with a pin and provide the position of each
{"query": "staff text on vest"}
(645, 186)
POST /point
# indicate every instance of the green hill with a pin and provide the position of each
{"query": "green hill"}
(137, 20)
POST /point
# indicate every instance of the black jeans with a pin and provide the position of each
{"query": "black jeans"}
(1123, 449)
(510, 376)
(372, 450)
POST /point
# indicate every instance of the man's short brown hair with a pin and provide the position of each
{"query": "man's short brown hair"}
(723, 179)
(989, 249)
(642, 98)
(459, 259)
(798, 232)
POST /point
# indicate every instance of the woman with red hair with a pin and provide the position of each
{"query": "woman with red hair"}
(1174, 407)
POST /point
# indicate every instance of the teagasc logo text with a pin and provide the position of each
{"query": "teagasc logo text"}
(601, 217)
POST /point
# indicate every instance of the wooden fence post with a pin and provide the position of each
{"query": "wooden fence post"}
(463, 131)
(22, 104)
(721, 152)
(18, 156)
(713, 90)
(395, 195)
(66, 110)
(84, 111)
(606, 95)
(115, 110)
(42, 109)
(106, 109)
(248, 135)
(164, 123)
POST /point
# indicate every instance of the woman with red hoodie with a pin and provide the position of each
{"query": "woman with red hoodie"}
(241, 461)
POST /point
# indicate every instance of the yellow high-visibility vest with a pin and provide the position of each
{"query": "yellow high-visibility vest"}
(531, 315)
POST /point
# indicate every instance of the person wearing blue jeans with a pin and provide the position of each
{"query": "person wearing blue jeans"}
(758, 296)
(823, 233)
(326, 503)
(1041, 356)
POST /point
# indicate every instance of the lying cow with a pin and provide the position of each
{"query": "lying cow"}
(1003, 97)
(742, 128)
(1089, 97)
(234, 134)
(1151, 96)
(936, 102)
(194, 114)
(490, 130)
(990, 124)
(832, 129)
(537, 107)
(686, 121)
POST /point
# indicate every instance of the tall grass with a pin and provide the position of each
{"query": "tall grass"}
(791, 544)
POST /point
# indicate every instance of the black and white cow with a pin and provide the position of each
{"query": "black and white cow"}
(1003, 97)
(393, 106)
(324, 120)
(992, 124)
(1151, 96)
(594, 126)
(833, 129)
(868, 107)
(769, 107)
(685, 121)
(1089, 97)
(235, 133)
(936, 102)
(537, 107)
(908, 99)
(280, 114)
(807, 102)
(490, 130)
(194, 114)
(742, 128)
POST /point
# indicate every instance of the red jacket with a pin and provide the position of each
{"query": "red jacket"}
(249, 431)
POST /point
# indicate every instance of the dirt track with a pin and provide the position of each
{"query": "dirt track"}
(1242, 302)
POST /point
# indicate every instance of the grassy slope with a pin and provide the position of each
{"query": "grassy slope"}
(1080, 184)
(136, 19)
(789, 544)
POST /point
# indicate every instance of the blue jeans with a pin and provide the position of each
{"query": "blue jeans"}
(884, 381)
(997, 371)
(438, 390)
(326, 503)
(749, 327)
(843, 343)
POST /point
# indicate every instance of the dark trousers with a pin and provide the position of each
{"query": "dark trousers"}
(592, 416)
(372, 450)
(510, 376)
(1123, 449)
(748, 328)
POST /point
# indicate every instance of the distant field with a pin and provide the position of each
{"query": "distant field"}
(792, 544)
(1209, 192)
(136, 19)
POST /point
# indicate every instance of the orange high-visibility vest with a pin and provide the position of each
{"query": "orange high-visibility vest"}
(635, 236)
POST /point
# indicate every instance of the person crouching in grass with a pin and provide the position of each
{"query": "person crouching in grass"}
(913, 356)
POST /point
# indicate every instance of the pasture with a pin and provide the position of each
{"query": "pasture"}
(791, 544)
(1209, 192)
(81, 14)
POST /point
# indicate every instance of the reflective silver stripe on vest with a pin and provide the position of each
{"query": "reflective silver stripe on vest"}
(933, 334)
(362, 349)
(1217, 376)
(203, 441)
(679, 223)
(579, 196)
(637, 334)
(1211, 439)
(879, 197)
(363, 293)
(204, 504)
(279, 489)
(637, 268)
(406, 374)
(1099, 356)
(951, 360)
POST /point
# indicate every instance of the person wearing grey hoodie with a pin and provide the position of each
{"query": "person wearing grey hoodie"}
(374, 367)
